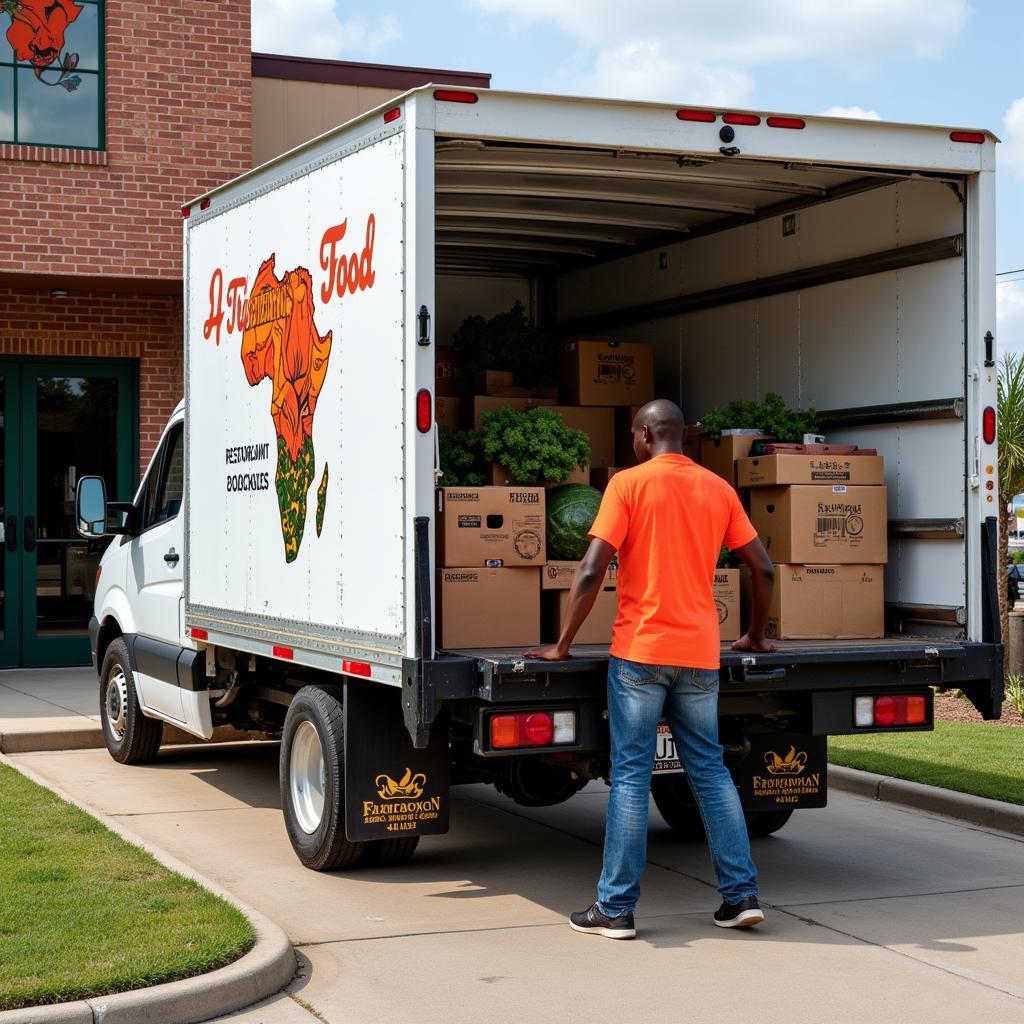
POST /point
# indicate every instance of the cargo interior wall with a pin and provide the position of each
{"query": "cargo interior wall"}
(885, 338)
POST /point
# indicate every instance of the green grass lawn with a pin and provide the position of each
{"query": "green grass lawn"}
(84, 913)
(986, 760)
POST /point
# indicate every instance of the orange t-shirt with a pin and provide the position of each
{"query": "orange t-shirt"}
(668, 518)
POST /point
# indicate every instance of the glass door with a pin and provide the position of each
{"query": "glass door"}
(76, 419)
(10, 517)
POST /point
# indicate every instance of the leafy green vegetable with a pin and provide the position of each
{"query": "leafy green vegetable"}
(507, 341)
(769, 417)
(536, 446)
(724, 558)
(461, 458)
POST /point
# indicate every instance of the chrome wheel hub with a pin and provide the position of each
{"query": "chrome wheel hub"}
(116, 703)
(308, 777)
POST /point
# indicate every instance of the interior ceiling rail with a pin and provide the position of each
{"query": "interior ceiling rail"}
(949, 247)
(897, 412)
(926, 529)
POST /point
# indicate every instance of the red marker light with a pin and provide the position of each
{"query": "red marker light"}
(424, 419)
(355, 668)
(393, 115)
(283, 652)
(199, 634)
(538, 729)
(917, 708)
(504, 731)
(988, 425)
(205, 204)
(741, 119)
(976, 137)
(455, 96)
(185, 211)
(885, 711)
(695, 115)
(785, 122)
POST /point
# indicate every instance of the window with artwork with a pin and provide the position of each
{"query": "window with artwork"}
(51, 73)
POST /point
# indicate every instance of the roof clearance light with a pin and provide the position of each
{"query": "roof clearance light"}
(741, 119)
(393, 115)
(785, 122)
(976, 137)
(988, 425)
(455, 96)
(695, 115)
(186, 210)
(205, 204)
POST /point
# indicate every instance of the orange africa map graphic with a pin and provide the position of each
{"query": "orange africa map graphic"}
(281, 342)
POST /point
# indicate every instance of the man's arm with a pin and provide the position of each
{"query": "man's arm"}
(762, 575)
(585, 589)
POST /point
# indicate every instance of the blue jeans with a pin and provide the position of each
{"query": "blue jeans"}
(638, 696)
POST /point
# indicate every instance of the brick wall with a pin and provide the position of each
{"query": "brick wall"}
(178, 101)
(145, 328)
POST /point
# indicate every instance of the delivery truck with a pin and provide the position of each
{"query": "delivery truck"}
(277, 568)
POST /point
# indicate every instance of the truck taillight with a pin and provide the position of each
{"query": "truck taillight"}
(988, 425)
(424, 419)
(532, 729)
(886, 711)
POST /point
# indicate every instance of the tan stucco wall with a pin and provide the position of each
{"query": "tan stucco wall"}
(286, 113)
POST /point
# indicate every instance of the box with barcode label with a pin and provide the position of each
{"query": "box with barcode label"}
(833, 524)
(607, 373)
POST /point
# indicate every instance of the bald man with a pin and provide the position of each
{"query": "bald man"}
(667, 518)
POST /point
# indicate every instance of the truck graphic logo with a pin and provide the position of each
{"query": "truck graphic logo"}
(409, 787)
(792, 764)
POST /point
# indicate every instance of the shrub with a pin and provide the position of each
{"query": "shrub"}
(1015, 692)
(1017, 557)
(536, 446)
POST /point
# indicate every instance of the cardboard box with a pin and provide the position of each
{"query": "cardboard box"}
(726, 591)
(479, 607)
(597, 626)
(500, 477)
(599, 477)
(501, 384)
(488, 403)
(490, 526)
(720, 456)
(446, 373)
(607, 373)
(447, 412)
(562, 575)
(827, 602)
(827, 525)
(770, 470)
(599, 425)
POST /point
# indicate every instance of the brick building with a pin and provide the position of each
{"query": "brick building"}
(111, 117)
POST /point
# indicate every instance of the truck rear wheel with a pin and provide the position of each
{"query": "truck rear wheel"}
(312, 770)
(389, 853)
(764, 823)
(131, 737)
(531, 782)
(676, 804)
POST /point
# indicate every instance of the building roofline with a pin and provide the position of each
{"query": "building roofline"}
(347, 72)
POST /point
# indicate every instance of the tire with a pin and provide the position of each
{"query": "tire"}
(764, 823)
(389, 853)
(531, 782)
(131, 737)
(676, 804)
(312, 777)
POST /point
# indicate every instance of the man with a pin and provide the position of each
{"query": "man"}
(668, 519)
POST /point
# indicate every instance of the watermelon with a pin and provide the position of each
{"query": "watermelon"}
(571, 510)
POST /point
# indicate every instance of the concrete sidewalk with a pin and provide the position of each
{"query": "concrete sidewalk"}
(49, 709)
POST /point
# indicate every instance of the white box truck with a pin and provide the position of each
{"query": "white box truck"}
(276, 569)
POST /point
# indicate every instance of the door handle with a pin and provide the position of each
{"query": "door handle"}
(11, 533)
(30, 533)
(172, 557)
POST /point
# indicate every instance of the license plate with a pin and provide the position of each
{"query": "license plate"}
(665, 759)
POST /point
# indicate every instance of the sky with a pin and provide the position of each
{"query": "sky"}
(947, 62)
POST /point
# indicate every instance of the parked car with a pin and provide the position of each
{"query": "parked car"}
(1015, 575)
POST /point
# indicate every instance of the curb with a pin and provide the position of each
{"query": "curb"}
(91, 738)
(978, 810)
(267, 968)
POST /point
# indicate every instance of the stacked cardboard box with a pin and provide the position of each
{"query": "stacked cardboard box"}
(556, 581)
(823, 521)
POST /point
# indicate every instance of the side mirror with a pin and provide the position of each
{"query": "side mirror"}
(91, 507)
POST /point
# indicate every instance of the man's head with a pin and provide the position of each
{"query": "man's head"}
(658, 429)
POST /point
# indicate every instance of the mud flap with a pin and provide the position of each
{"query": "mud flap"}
(784, 771)
(391, 788)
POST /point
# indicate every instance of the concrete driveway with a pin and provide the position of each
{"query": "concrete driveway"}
(878, 914)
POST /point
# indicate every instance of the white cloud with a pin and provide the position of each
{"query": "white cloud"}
(703, 50)
(1011, 152)
(314, 29)
(1010, 316)
(855, 112)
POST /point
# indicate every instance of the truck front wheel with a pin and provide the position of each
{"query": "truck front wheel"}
(131, 737)
(313, 781)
